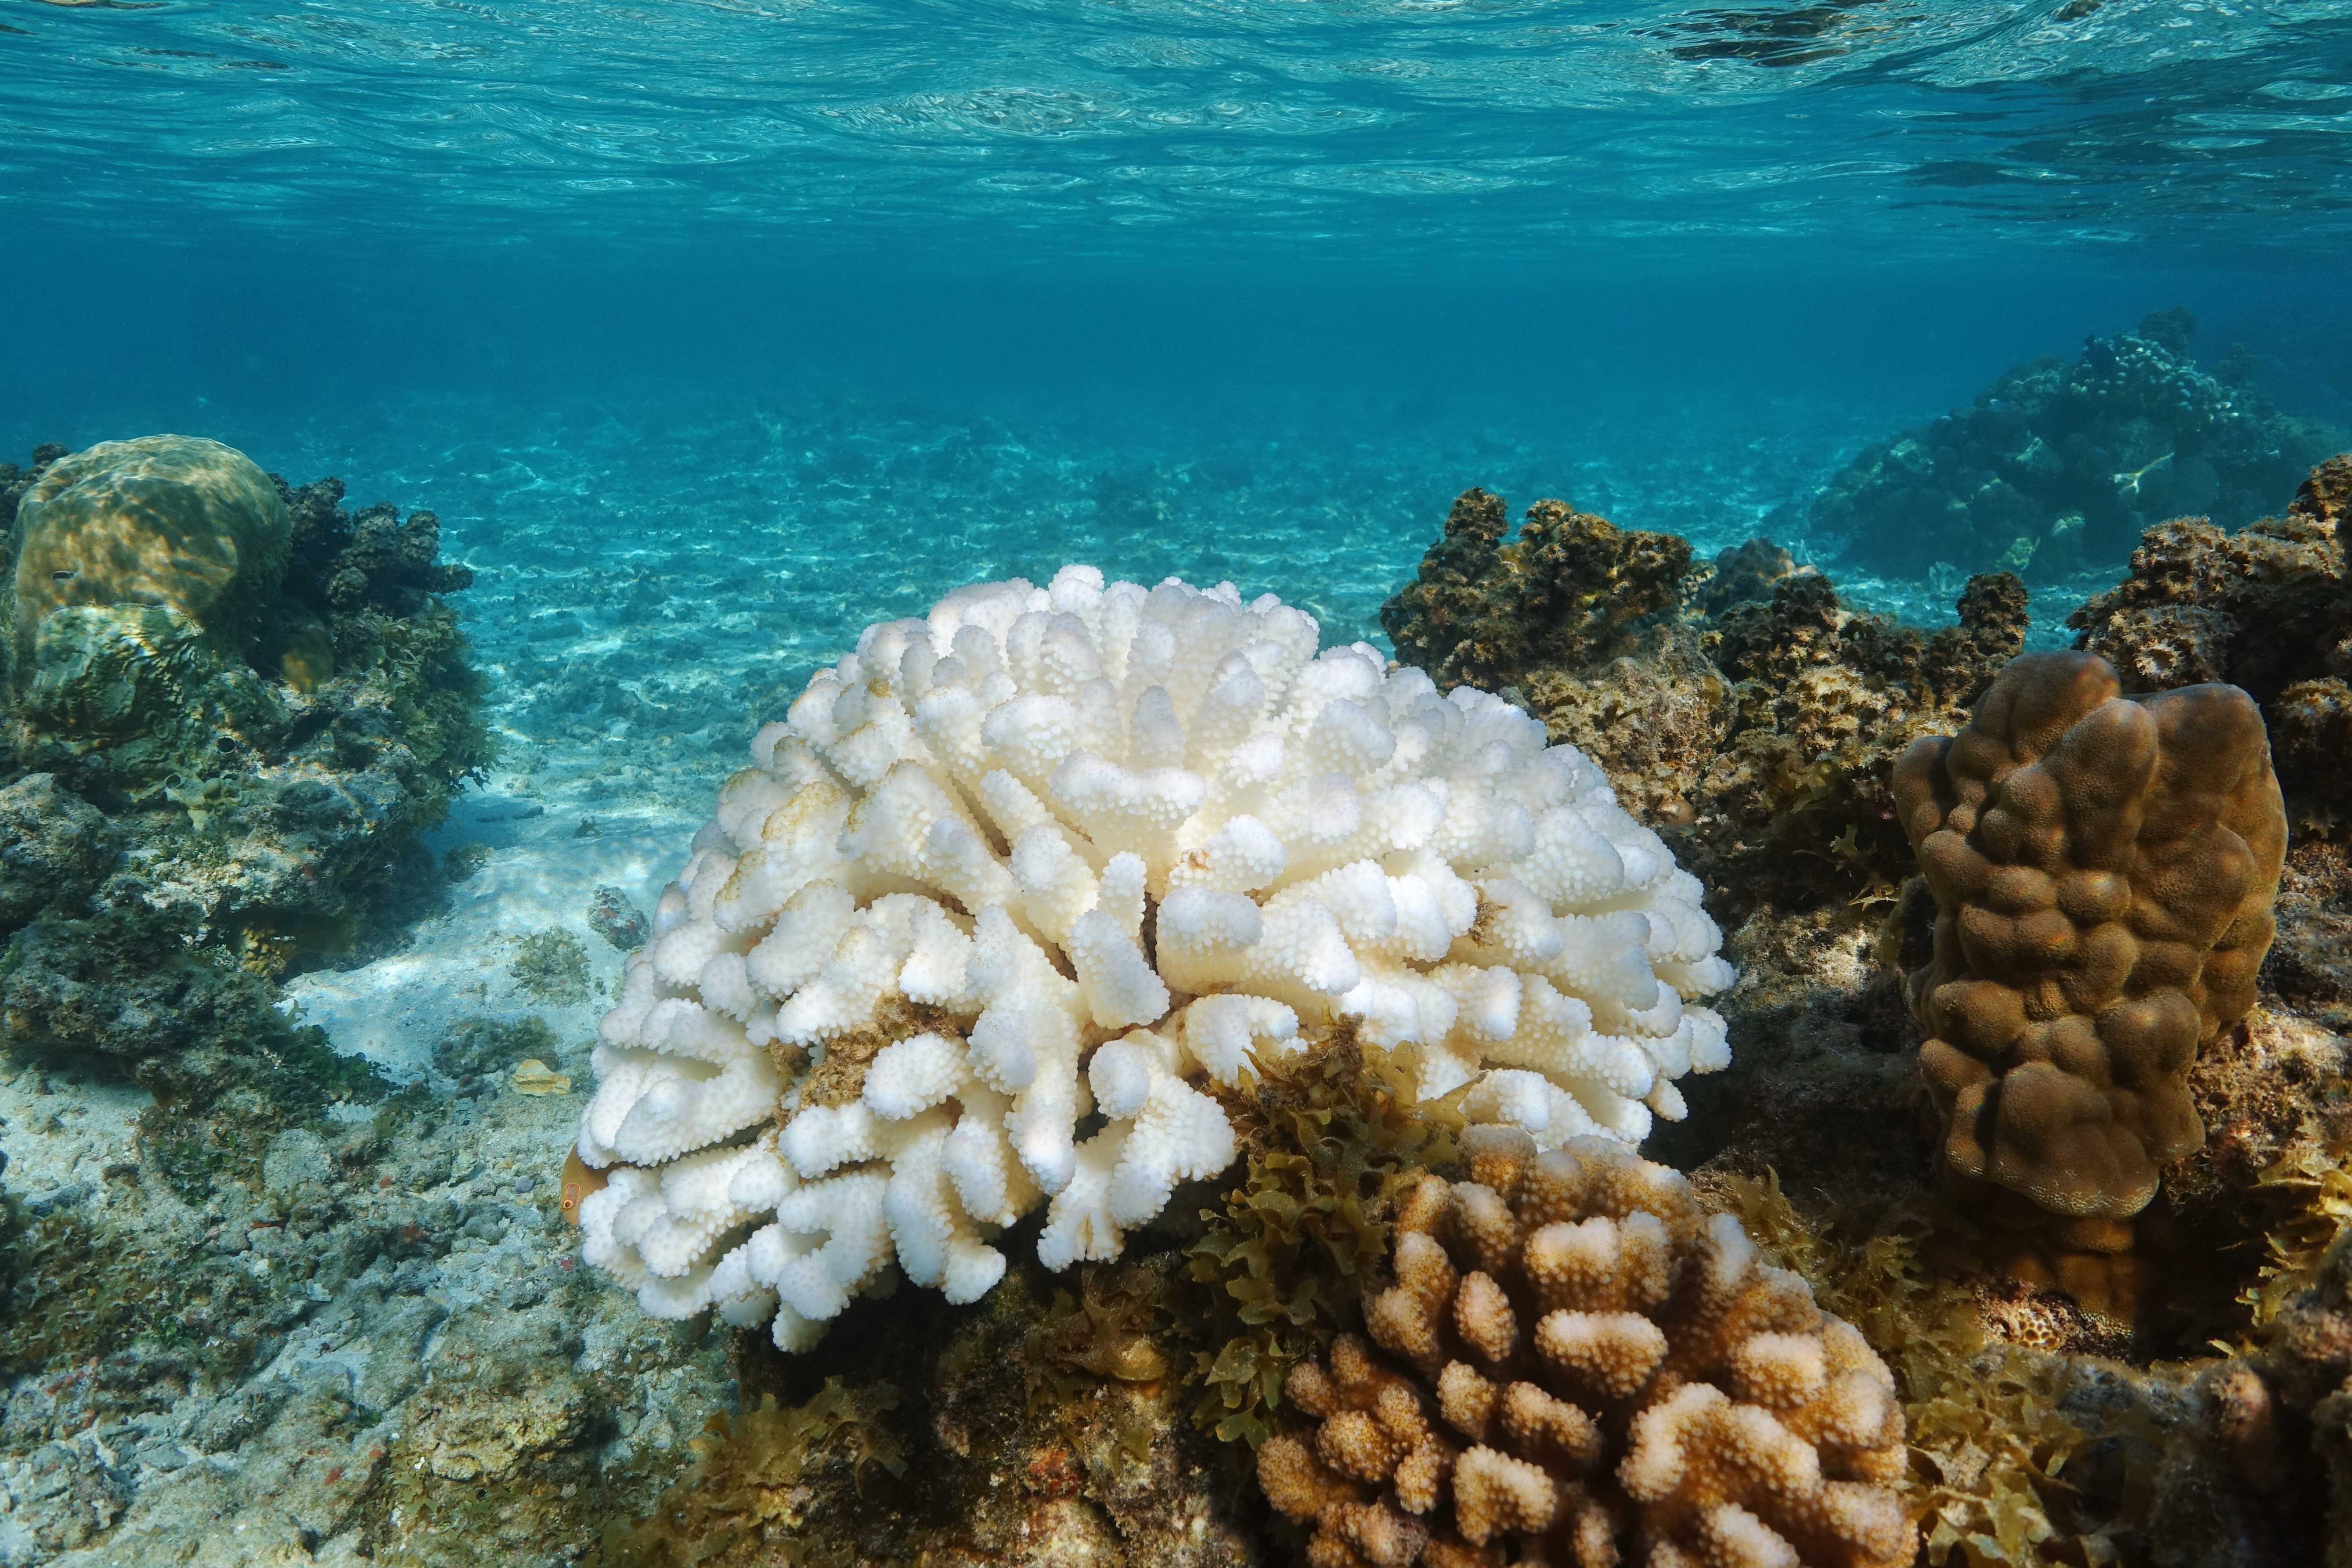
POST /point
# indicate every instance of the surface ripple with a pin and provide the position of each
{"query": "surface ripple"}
(1509, 127)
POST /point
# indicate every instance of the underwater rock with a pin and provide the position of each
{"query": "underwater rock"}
(1585, 1366)
(1746, 574)
(2103, 871)
(54, 847)
(2268, 608)
(1568, 590)
(1039, 1428)
(177, 525)
(1225, 847)
(613, 916)
(2059, 465)
(378, 1348)
(1764, 742)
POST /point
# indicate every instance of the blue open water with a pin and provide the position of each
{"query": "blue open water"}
(862, 299)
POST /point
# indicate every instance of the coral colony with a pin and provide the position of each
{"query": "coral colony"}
(2104, 871)
(1012, 882)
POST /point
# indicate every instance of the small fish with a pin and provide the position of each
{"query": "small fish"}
(578, 1181)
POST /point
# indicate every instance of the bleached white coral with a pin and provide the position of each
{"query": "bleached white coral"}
(1013, 887)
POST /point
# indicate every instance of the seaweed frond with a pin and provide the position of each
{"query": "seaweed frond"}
(2320, 1183)
(1330, 1140)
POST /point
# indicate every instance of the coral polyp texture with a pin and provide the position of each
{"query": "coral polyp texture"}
(2104, 869)
(1014, 890)
(1581, 1365)
(1767, 738)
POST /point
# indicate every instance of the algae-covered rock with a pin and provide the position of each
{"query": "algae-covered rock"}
(54, 847)
(174, 523)
(235, 707)
(2269, 608)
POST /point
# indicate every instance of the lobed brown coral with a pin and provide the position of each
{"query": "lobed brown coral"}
(2103, 870)
(2268, 608)
(1588, 1368)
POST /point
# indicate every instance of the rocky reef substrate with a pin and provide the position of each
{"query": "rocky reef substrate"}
(366, 1337)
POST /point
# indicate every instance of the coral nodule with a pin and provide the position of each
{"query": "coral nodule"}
(1011, 884)
(178, 526)
(1586, 1367)
(2103, 868)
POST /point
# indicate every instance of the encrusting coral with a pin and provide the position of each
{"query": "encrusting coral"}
(2058, 465)
(1584, 1366)
(2268, 608)
(2103, 871)
(1765, 739)
(1012, 882)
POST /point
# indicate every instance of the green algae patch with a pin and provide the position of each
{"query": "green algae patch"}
(551, 965)
(1329, 1142)
(747, 1497)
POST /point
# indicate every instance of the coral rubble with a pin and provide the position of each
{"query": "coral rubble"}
(1063, 855)
(1584, 1366)
(1766, 739)
(2057, 465)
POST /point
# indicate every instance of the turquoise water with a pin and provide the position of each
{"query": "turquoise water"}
(714, 331)
(850, 302)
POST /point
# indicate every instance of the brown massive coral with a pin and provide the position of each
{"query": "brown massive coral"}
(2269, 608)
(2103, 870)
(1585, 1367)
(1764, 731)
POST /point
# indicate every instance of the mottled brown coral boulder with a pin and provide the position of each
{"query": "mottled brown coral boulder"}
(2104, 869)
(174, 523)
(1583, 1366)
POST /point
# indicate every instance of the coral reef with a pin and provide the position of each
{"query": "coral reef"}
(1764, 742)
(194, 817)
(1037, 1427)
(2058, 466)
(1590, 1368)
(2103, 871)
(1565, 592)
(2269, 608)
(375, 1344)
(1058, 855)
